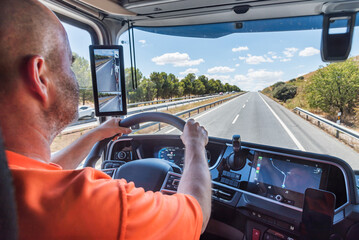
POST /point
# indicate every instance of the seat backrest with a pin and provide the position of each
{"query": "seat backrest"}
(8, 216)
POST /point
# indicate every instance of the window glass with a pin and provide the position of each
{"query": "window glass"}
(79, 41)
(275, 65)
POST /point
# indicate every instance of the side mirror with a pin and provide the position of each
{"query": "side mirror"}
(337, 36)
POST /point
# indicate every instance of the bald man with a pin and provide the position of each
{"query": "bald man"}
(39, 97)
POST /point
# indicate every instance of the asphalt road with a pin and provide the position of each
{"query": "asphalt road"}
(105, 75)
(113, 105)
(259, 119)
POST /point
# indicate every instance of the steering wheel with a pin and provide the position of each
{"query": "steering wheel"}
(148, 173)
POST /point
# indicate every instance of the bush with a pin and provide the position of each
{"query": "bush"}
(285, 92)
(274, 86)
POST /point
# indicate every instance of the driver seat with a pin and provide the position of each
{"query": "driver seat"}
(8, 216)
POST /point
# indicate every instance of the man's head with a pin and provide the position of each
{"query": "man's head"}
(36, 79)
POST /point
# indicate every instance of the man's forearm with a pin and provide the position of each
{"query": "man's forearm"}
(71, 156)
(196, 180)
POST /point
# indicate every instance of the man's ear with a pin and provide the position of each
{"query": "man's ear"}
(37, 79)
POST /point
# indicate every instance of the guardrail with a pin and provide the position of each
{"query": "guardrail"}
(189, 111)
(166, 100)
(168, 105)
(337, 127)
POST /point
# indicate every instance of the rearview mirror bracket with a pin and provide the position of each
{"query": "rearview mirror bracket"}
(337, 46)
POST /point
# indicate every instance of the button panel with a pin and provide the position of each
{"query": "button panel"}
(230, 178)
(171, 183)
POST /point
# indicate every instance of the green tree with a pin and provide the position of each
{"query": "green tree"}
(212, 86)
(131, 93)
(204, 80)
(157, 79)
(198, 87)
(335, 88)
(81, 68)
(188, 84)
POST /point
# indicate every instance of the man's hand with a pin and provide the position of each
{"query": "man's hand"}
(71, 156)
(194, 134)
(196, 180)
(110, 128)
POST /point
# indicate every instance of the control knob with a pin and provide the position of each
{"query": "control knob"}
(122, 155)
(279, 198)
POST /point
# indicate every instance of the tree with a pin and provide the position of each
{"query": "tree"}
(131, 93)
(204, 80)
(157, 79)
(284, 92)
(335, 88)
(198, 87)
(188, 83)
(81, 68)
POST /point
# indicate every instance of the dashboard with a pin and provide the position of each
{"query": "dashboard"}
(267, 192)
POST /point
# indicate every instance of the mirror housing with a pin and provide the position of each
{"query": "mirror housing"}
(337, 46)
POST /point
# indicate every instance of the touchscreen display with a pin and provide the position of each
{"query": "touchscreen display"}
(108, 80)
(284, 179)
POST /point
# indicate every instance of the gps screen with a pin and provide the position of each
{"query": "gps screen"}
(284, 179)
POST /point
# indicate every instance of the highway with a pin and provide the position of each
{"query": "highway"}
(259, 119)
(112, 105)
(105, 75)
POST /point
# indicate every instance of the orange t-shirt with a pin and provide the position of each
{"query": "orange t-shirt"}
(87, 204)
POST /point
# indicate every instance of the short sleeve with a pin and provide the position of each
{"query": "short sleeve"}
(153, 215)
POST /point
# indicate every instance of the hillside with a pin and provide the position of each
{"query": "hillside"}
(300, 98)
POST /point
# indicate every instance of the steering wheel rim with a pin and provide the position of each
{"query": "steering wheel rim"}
(99, 147)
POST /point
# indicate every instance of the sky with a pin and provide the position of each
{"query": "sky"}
(252, 61)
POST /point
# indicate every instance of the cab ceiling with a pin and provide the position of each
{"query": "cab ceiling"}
(187, 12)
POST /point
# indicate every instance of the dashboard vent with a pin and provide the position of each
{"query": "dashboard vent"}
(222, 193)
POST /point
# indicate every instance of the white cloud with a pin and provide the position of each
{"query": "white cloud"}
(241, 58)
(309, 51)
(274, 57)
(237, 65)
(223, 78)
(285, 60)
(256, 79)
(142, 41)
(289, 52)
(176, 59)
(256, 59)
(220, 69)
(238, 49)
(189, 70)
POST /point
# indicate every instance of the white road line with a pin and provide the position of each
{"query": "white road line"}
(244, 106)
(102, 66)
(235, 119)
(291, 135)
(195, 118)
(111, 71)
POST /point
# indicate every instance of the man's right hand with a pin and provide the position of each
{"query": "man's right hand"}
(194, 134)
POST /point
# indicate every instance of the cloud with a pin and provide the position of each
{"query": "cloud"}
(224, 78)
(176, 59)
(289, 52)
(309, 51)
(238, 49)
(237, 65)
(220, 69)
(285, 60)
(142, 41)
(256, 79)
(189, 70)
(256, 59)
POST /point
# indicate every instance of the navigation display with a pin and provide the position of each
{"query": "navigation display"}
(284, 179)
(108, 80)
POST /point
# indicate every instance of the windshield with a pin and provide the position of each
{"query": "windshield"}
(248, 82)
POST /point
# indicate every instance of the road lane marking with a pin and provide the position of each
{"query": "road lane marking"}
(102, 66)
(291, 135)
(235, 119)
(205, 113)
(111, 71)
(244, 106)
